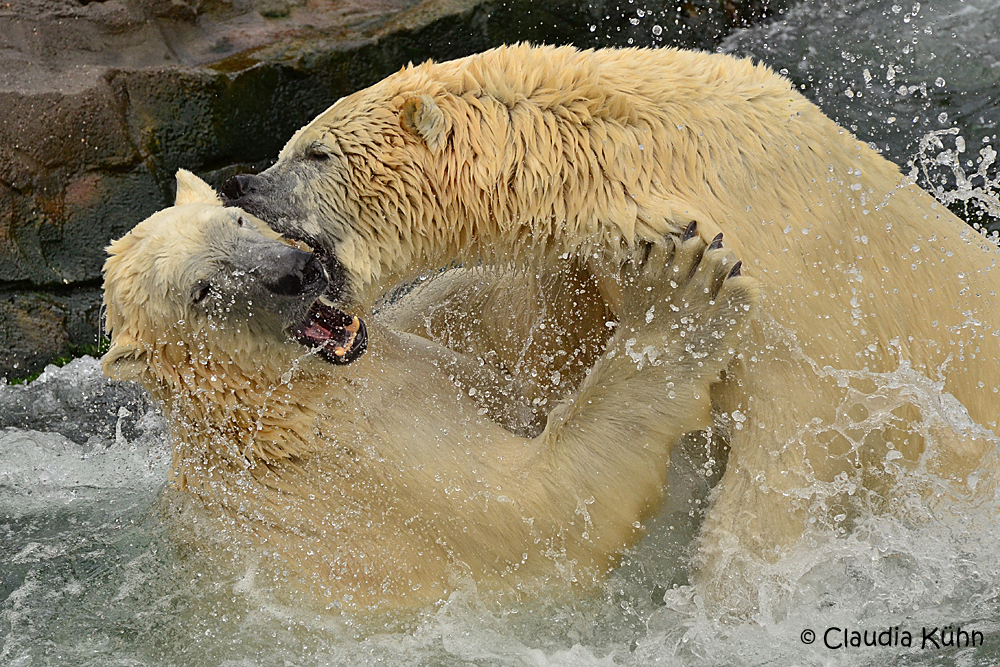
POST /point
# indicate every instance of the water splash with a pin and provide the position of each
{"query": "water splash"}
(93, 572)
(947, 167)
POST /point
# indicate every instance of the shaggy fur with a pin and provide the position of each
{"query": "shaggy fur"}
(379, 482)
(528, 153)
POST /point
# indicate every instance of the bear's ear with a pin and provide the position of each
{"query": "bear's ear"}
(193, 190)
(420, 115)
(124, 361)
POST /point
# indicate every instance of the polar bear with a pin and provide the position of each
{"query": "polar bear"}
(530, 154)
(356, 452)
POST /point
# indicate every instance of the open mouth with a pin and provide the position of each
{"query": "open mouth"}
(336, 336)
(339, 337)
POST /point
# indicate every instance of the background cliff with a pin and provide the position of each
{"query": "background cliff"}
(101, 101)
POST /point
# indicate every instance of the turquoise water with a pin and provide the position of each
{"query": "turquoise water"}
(92, 572)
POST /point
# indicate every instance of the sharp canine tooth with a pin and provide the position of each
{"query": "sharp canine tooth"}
(339, 351)
(326, 302)
(354, 325)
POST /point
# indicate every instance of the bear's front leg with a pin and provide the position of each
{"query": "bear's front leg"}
(684, 304)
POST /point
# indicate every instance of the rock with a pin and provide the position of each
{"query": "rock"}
(37, 327)
(101, 101)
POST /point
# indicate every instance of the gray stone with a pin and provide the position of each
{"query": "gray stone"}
(37, 327)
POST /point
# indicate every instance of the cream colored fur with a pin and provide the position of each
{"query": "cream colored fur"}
(380, 482)
(532, 152)
(542, 329)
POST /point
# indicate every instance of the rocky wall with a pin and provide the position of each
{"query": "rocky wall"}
(102, 101)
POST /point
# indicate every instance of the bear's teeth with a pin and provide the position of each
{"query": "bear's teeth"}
(339, 351)
(326, 302)
(354, 326)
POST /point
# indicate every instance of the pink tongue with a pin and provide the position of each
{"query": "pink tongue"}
(316, 332)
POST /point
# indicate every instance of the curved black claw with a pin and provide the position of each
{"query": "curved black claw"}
(691, 230)
(716, 242)
(735, 271)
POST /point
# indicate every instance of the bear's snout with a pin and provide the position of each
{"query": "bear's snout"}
(295, 272)
(239, 186)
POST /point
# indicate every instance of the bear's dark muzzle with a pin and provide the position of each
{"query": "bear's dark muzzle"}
(240, 186)
(296, 272)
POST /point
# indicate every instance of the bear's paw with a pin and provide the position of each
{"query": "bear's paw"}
(685, 301)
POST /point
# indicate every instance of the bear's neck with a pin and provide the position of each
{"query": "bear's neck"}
(238, 413)
(268, 443)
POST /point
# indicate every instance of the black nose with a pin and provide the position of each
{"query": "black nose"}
(295, 271)
(239, 186)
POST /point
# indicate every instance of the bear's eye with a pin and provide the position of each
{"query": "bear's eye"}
(241, 221)
(200, 291)
(317, 152)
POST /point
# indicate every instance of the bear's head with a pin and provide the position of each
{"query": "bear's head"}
(197, 285)
(487, 157)
(354, 183)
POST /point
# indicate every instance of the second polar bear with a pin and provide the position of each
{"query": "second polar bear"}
(532, 154)
(376, 482)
